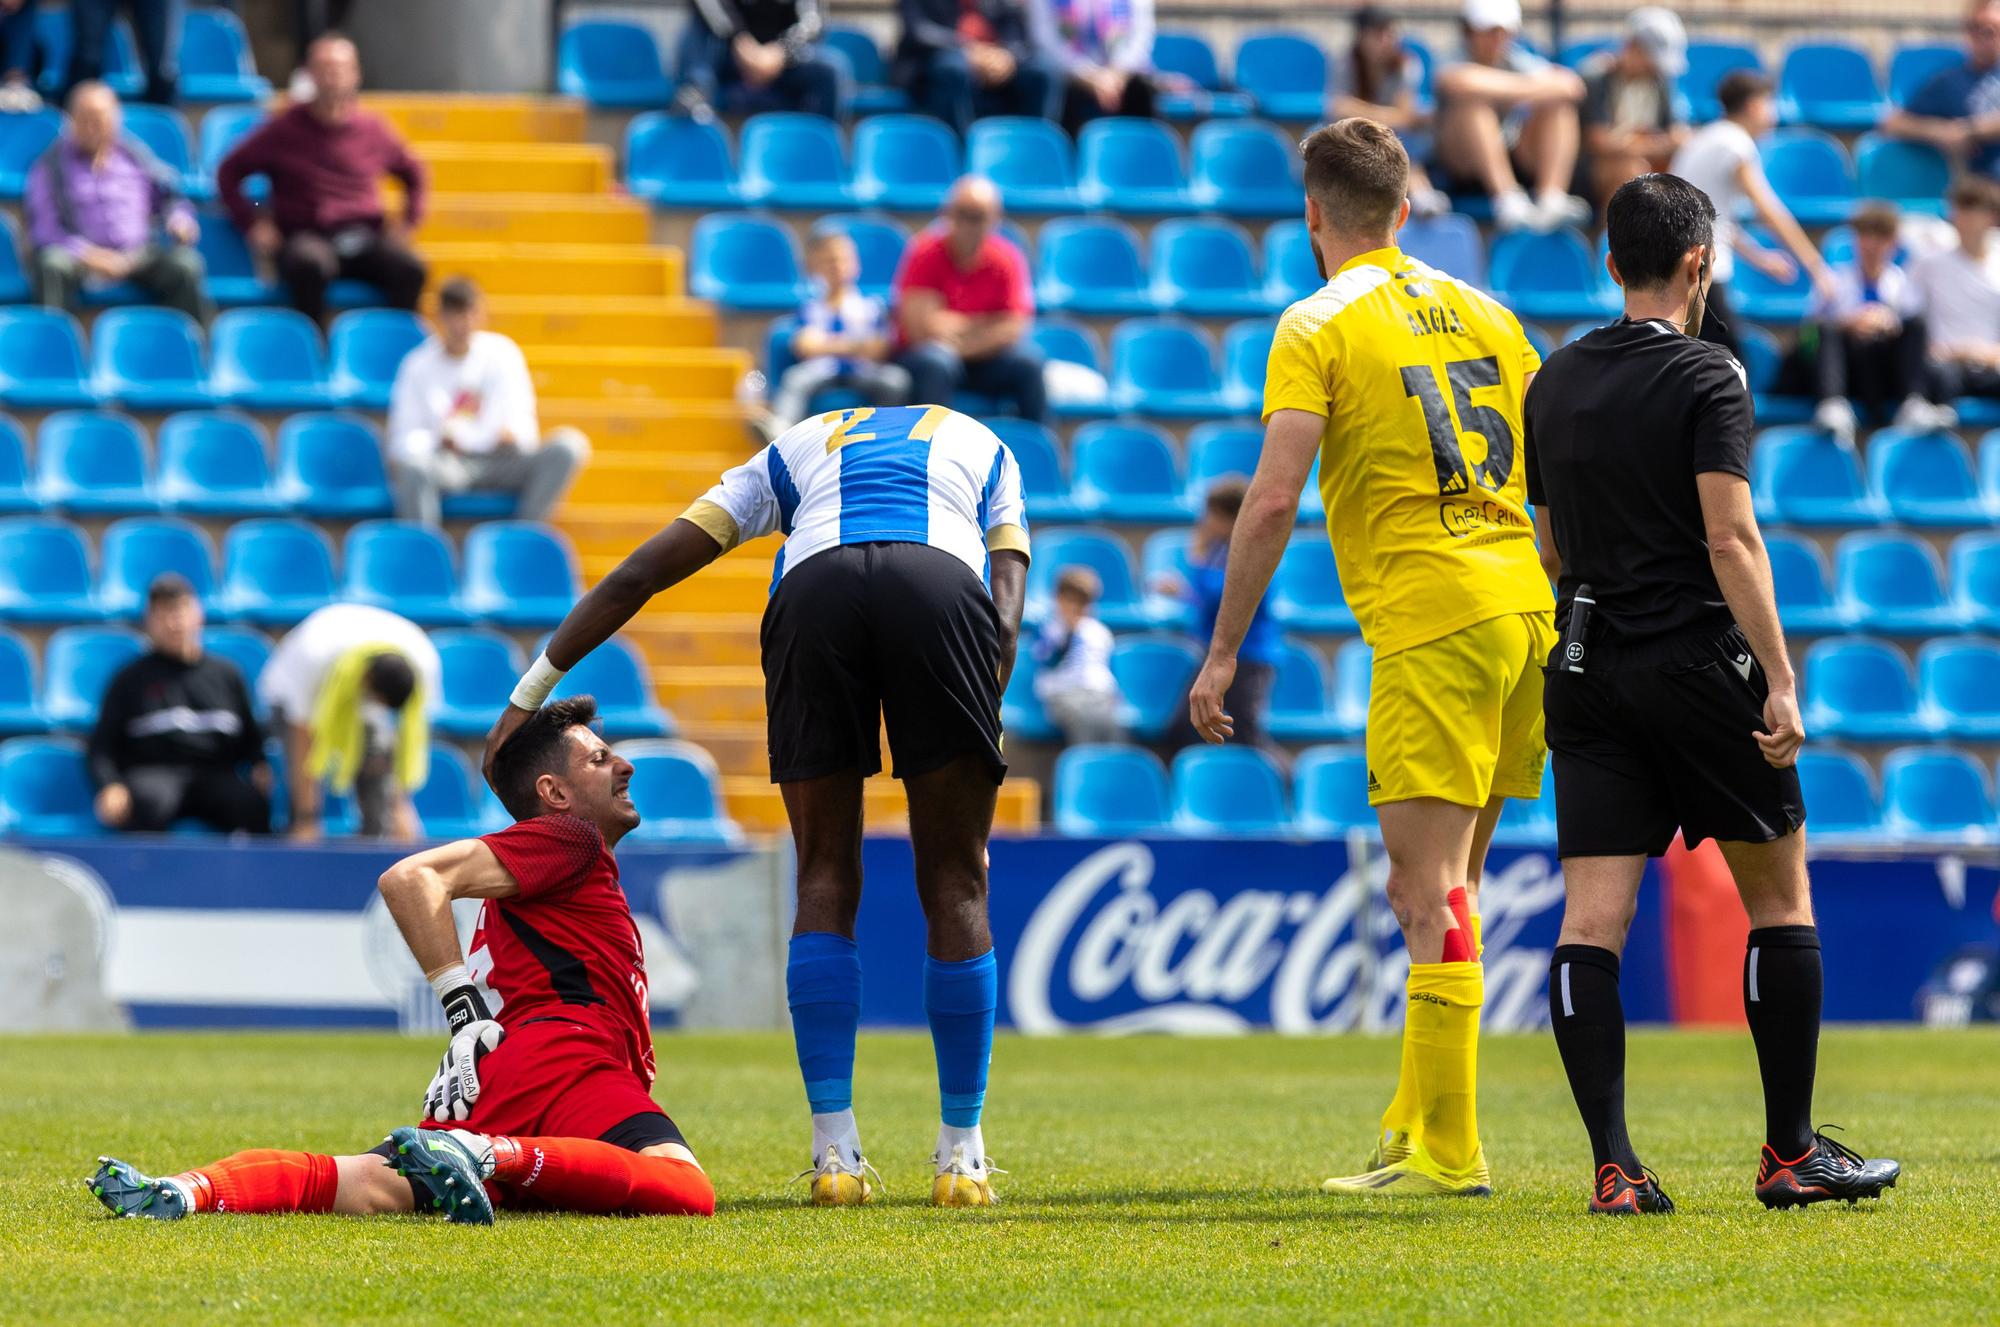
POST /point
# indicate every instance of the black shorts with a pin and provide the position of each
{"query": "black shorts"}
(1658, 738)
(864, 632)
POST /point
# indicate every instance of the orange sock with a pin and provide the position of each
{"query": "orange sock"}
(584, 1175)
(265, 1180)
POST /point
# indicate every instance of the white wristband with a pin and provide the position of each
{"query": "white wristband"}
(536, 684)
(446, 980)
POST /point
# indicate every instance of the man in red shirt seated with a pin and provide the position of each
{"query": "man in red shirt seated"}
(963, 307)
(325, 159)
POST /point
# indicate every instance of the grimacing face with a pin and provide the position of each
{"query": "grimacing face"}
(599, 783)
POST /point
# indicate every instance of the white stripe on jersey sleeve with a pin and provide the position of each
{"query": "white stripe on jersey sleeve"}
(745, 498)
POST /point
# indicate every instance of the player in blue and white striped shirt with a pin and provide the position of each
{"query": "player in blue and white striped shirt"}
(897, 596)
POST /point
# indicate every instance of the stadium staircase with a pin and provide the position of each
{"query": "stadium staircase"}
(530, 209)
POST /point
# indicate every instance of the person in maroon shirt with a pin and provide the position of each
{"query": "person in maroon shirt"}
(325, 159)
(963, 307)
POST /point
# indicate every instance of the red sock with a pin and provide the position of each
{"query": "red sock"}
(265, 1180)
(1455, 900)
(583, 1175)
(1458, 940)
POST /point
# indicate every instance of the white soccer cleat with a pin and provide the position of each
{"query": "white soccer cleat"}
(838, 1181)
(963, 1179)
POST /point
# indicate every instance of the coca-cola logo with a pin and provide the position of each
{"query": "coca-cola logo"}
(1106, 951)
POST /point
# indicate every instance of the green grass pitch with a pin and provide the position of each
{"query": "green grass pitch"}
(1153, 1181)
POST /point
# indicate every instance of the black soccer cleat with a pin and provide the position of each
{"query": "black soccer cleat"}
(1824, 1172)
(1619, 1194)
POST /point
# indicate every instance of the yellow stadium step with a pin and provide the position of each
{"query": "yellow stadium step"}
(654, 426)
(738, 745)
(536, 218)
(481, 119)
(518, 168)
(732, 692)
(700, 638)
(756, 804)
(671, 480)
(567, 270)
(604, 534)
(730, 585)
(705, 373)
(608, 320)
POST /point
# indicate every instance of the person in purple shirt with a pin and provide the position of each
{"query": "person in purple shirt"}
(102, 209)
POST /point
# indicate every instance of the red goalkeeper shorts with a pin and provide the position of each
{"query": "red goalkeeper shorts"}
(552, 1078)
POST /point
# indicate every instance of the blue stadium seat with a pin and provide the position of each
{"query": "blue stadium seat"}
(1530, 822)
(1126, 471)
(1812, 174)
(744, 261)
(1305, 591)
(149, 359)
(268, 359)
(1578, 51)
(1290, 271)
(403, 566)
(1449, 242)
(1219, 449)
(1165, 367)
(874, 93)
(904, 162)
(215, 59)
(1110, 791)
(165, 133)
(520, 573)
(1154, 673)
(1246, 350)
(1707, 62)
(41, 357)
(478, 670)
(1090, 265)
(1066, 339)
(1958, 688)
(1830, 85)
(1331, 786)
(680, 162)
(1133, 165)
(1860, 689)
(1840, 789)
(93, 461)
(14, 286)
(1302, 697)
(1206, 268)
(1914, 176)
(611, 63)
(1243, 168)
(222, 128)
(77, 664)
(275, 571)
(1926, 478)
(1285, 73)
(232, 279)
(365, 348)
(1890, 582)
(44, 572)
(1229, 790)
(1938, 794)
(20, 712)
(136, 550)
(1802, 476)
(1030, 160)
(1975, 580)
(55, 38)
(331, 465)
(1915, 64)
(1550, 276)
(1763, 360)
(1021, 713)
(679, 795)
(616, 674)
(23, 139)
(1759, 297)
(1805, 603)
(1188, 54)
(1042, 479)
(795, 161)
(45, 790)
(246, 647)
(17, 494)
(1121, 607)
(450, 804)
(1353, 681)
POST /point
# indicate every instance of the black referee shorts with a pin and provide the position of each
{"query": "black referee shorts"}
(864, 632)
(1658, 738)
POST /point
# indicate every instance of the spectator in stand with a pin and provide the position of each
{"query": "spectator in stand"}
(842, 340)
(1507, 116)
(1723, 161)
(1104, 49)
(1958, 109)
(1870, 332)
(964, 58)
(1959, 289)
(156, 24)
(93, 202)
(1378, 79)
(759, 55)
(1248, 700)
(175, 734)
(1631, 123)
(351, 690)
(17, 58)
(462, 417)
(963, 305)
(325, 159)
(1073, 677)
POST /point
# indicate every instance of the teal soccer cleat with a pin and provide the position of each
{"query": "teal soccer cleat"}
(447, 1170)
(126, 1192)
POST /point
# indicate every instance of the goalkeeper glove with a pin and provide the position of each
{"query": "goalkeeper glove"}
(454, 1089)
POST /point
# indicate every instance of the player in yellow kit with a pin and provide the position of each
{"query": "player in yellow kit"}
(1407, 384)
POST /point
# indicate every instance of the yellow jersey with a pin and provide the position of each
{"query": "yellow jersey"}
(1419, 378)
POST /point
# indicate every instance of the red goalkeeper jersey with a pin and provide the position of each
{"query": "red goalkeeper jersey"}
(565, 947)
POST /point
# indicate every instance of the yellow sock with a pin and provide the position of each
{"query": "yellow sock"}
(1478, 936)
(1402, 1115)
(1442, 1028)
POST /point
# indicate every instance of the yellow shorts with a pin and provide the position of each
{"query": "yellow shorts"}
(1460, 717)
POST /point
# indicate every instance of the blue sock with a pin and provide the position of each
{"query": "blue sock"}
(823, 983)
(959, 999)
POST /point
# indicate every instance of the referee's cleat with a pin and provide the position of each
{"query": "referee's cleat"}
(1417, 1175)
(840, 1182)
(446, 1171)
(124, 1191)
(1824, 1172)
(963, 1180)
(1619, 1194)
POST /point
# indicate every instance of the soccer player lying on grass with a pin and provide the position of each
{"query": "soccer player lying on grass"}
(543, 1099)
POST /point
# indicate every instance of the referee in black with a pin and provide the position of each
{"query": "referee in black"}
(1671, 703)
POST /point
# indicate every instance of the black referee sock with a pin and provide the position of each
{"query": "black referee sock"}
(1782, 983)
(1589, 1022)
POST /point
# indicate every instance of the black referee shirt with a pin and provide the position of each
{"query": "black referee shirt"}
(1618, 425)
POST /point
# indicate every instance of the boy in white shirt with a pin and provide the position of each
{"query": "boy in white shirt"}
(1871, 334)
(842, 338)
(1960, 289)
(1073, 655)
(462, 417)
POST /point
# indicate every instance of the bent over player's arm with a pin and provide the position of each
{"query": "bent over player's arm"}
(1006, 506)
